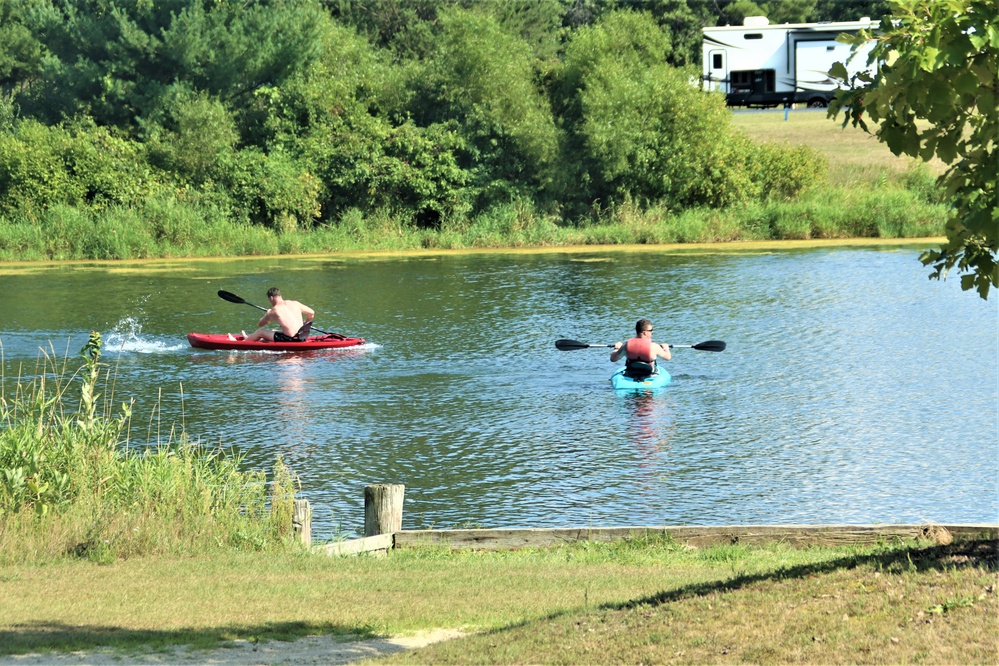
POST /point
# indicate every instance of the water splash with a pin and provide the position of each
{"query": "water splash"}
(126, 336)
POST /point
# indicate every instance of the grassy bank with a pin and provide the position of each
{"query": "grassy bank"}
(868, 192)
(628, 602)
(72, 485)
(856, 158)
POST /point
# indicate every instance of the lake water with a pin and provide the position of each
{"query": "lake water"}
(853, 390)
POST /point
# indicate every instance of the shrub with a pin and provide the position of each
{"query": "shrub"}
(33, 173)
(275, 190)
(481, 78)
(71, 484)
(783, 172)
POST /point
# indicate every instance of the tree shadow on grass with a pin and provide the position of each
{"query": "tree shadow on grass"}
(49, 637)
(980, 553)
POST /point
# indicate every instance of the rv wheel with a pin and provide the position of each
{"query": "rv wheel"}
(817, 103)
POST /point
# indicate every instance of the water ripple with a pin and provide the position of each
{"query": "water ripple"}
(853, 390)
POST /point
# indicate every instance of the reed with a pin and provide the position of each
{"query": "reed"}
(73, 485)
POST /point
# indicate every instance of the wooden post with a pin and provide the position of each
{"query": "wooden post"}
(301, 522)
(383, 508)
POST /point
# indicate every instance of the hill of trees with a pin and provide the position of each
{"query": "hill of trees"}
(296, 113)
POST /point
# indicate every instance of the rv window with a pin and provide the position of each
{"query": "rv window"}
(753, 35)
(830, 48)
(716, 61)
(756, 81)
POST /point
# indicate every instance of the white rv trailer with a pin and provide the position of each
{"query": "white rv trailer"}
(761, 65)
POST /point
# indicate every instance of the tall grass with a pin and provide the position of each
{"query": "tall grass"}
(72, 484)
(829, 212)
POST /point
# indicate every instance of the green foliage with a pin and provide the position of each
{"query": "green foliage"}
(411, 171)
(71, 477)
(936, 94)
(683, 21)
(783, 172)
(110, 170)
(77, 163)
(481, 79)
(282, 498)
(115, 62)
(403, 26)
(613, 129)
(837, 10)
(191, 136)
(274, 189)
(348, 80)
(639, 131)
(137, 128)
(20, 51)
(778, 11)
(33, 173)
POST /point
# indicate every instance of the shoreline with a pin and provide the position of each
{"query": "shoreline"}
(728, 247)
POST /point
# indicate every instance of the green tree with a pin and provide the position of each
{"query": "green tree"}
(936, 95)
(114, 61)
(403, 26)
(482, 78)
(196, 134)
(20, 52)
(851, 10)
(789, 11)
(635, 128)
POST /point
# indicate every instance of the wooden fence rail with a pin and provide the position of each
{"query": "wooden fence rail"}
(383, 532)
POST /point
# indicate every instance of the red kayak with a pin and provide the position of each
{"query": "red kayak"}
(222, 341)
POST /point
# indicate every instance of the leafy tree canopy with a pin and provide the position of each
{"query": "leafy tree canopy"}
(115, 61)
(936, 94)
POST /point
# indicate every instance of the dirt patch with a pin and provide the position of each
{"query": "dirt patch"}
(308, 650)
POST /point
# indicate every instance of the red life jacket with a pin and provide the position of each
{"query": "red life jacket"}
(640, 349)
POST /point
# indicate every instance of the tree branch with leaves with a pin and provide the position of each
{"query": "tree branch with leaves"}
(935, 93)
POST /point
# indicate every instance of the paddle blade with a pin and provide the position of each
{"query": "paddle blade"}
(569, 345)
(232, 298)
(710, 345)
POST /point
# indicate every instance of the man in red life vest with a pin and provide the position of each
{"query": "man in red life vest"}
(641, 351)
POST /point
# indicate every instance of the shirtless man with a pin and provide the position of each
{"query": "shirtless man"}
(294, 318)
(641, 351)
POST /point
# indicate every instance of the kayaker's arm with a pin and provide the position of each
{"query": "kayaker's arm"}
(268, 317)
(620, 349)
(664, 352)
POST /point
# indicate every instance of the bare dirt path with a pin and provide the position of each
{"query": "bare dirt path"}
(305, 651)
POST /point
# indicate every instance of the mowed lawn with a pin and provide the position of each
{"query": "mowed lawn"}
(651, 601)
(856, 157)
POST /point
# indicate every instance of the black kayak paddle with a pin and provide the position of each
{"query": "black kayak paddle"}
(709, 345)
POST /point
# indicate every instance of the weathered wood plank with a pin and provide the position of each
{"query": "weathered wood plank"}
(301, 521)
(803, 535)
(383, 508)
(373, 544)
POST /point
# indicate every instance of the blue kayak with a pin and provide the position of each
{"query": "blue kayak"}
(657, 380)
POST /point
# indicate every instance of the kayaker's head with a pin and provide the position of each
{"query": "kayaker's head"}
(274, 294)
(643, 326)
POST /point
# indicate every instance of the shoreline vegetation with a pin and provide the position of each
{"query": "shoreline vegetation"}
(728, 247)
(312, 126)
(867, 193)
(884, 216)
